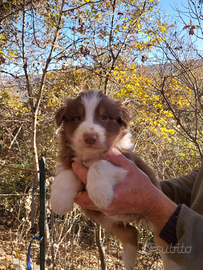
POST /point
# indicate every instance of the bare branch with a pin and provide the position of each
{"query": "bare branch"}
(49, 57)
(15, 137)
(82, 5)
(29, 89)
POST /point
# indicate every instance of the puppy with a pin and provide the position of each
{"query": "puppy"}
(89, 125)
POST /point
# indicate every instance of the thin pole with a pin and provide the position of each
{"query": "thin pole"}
(42, 218)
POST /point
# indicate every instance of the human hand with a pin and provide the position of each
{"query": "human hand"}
(129, 196)
(135, 194)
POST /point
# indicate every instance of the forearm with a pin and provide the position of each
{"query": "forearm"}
(179, 190)
(188, 233)
(189, 230)
(162, 220)
(159, 211)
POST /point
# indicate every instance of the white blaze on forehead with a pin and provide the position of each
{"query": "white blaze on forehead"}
(90, 104)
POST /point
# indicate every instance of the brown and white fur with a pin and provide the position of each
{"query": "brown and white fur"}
(89, 125)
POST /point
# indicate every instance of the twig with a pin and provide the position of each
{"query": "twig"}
(20, 169)
(15, 137)
(100, 247)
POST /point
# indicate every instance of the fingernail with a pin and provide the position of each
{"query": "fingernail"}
(112, 151)
(74, 165)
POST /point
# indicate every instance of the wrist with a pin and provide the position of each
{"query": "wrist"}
(160, 209)
(168, 233)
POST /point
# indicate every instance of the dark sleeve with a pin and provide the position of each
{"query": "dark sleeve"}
(188, 250)
(179, 190)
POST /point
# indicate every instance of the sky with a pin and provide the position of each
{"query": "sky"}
(169, 7)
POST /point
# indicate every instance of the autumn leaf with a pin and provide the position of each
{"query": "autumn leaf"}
(94, 57)
(120, 12)
(185, 27)
(2, 60)
(191, 32)
(144, 58)
(192, 27)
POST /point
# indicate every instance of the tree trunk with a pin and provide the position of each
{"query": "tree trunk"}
(34, 140)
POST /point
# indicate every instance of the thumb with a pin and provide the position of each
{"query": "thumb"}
(84, 201)
(118, 159)
(80, 171)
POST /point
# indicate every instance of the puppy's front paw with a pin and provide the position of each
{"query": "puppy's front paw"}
(101, 179)
(64, 190)
(101, 197)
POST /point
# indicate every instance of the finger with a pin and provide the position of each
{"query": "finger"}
(80, 171)
(84, 201)
(118, 159)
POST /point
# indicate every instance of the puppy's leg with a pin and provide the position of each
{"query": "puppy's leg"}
(64, 190)
(101, 178)
(167, 262)
(127, 234)
(129, 238)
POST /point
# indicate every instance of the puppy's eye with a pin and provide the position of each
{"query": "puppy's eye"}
(78, 118)
(104, 117)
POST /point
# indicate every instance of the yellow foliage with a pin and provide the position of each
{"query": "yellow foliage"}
(7, 98)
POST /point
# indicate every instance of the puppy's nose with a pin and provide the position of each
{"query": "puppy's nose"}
(90, 138)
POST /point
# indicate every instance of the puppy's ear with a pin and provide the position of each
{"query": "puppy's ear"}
(60, 115)
(125, 115)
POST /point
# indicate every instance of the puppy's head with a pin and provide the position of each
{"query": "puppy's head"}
(92, 123)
